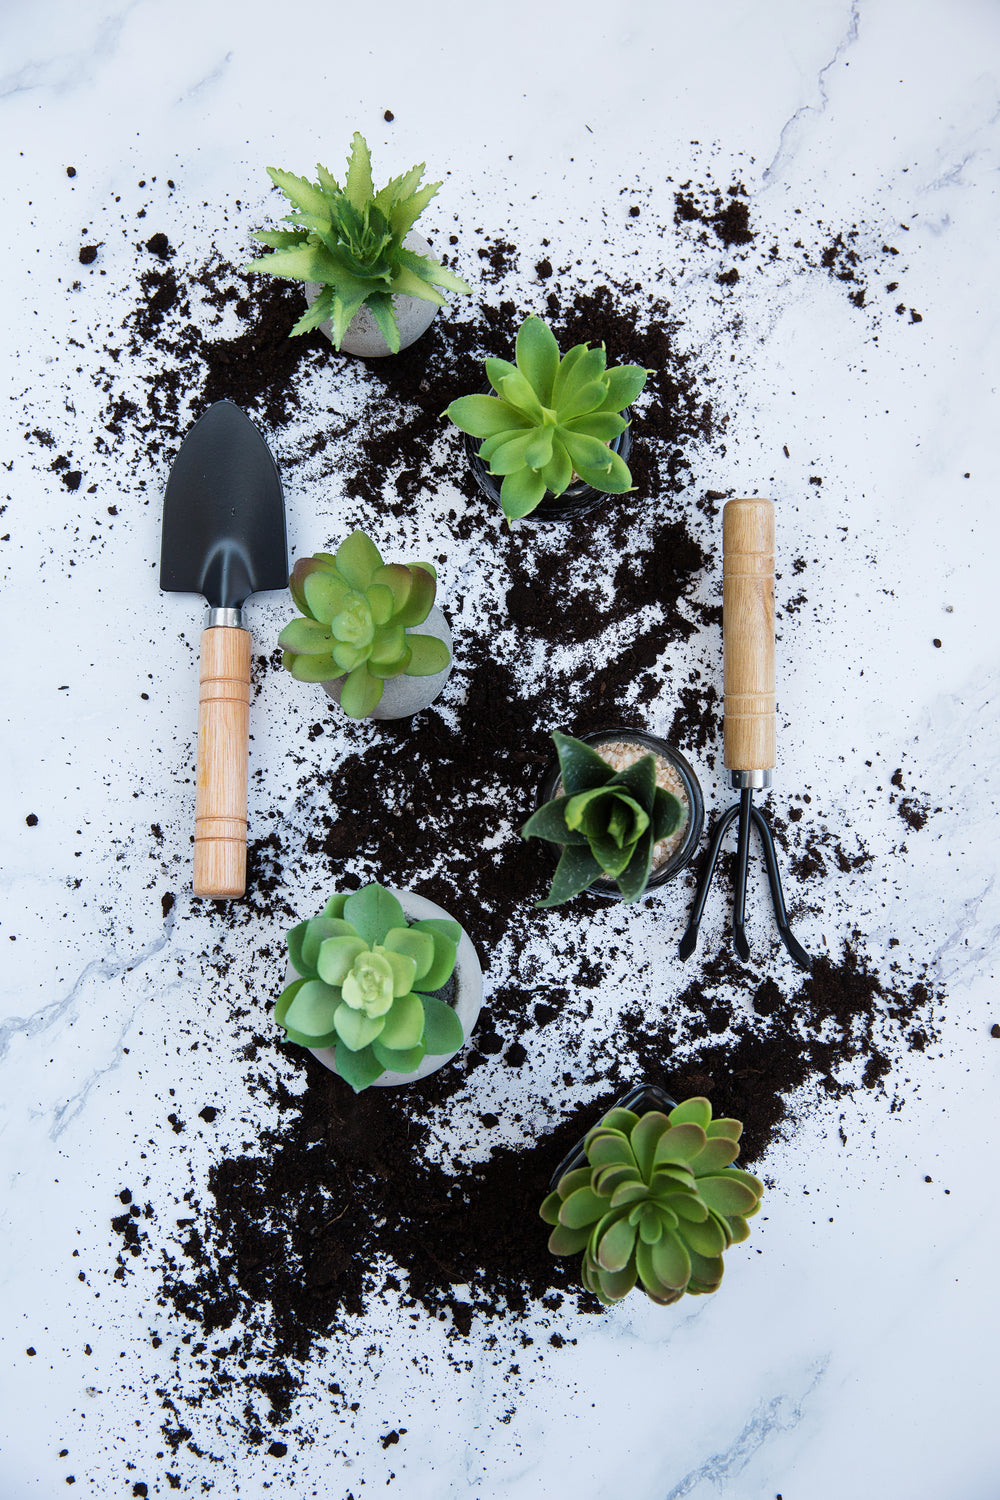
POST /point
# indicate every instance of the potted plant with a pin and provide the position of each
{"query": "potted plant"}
(356, 634)
(625, 809)
(652, 1199)
(555, 431)
(370, 276)
(387, 989)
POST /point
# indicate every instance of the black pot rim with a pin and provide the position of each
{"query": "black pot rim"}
(657, 1098)
(577, 500)
(685, 852)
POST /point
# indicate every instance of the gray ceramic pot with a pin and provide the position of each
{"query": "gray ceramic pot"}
(404, 696)
(413, 315)
(467, 1000)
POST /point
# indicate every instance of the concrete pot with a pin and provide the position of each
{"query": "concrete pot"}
(467, 1001)
(404, 696)
(364, 337)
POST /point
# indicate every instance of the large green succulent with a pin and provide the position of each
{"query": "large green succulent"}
(608, 822)
(357, 611)
(366, 986)
(350, 240)
(657, 1203)
(550, 419)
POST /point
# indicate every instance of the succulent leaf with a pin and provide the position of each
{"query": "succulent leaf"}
(404, 1024)
(577, 869)
(645, 1139)
(360, 693)
(442, 1028)
(399, 1060)
(520, 493)
(727, 1194)
(325, 595)
(308, 636)
(580, 765)
(442, 964)
(617, 1244)
(359, 1069)
(337, 956)
(582, 1207)
(538, 356)
(549, 822)
(355, 1028)
(312, 1010)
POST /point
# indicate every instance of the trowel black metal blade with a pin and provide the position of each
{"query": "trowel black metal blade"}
(223, 513)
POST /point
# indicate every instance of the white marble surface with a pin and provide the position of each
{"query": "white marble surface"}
(853, 1351)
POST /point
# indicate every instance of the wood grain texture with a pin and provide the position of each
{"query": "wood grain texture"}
(749, 725)
(220, 818)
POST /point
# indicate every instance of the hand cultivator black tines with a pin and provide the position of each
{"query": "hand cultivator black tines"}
(748, 715)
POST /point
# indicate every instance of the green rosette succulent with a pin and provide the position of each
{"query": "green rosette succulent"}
(656, 1205)
(608, 822)
(551, 419)
(357, 612)
(350, 241)
(366, 986)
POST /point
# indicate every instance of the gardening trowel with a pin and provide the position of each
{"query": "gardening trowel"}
(223, 537)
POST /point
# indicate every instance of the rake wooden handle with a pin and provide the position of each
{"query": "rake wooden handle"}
(220, 817)
(749, 721)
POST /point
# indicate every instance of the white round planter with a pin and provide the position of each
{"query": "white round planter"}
(404, 696)
(467, 1002)
(364, 337)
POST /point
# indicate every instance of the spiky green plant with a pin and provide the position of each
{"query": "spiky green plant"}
(607, 822)
(657, 1203)
(357, 612)
(550, 419)
(366, 986)
(350, 240)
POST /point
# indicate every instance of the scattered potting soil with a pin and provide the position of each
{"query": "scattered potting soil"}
(333, 1203)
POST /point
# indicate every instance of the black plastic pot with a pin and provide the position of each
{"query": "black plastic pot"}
(685, 851)
(574, 501)
(642, 1100)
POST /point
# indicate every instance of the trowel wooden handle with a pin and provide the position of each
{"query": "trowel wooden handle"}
(748, 634)
(220, 817)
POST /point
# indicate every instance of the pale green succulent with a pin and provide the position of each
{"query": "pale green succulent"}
(550, 419)
(349, 240)
(366, 986)
(657, 1203)
(358, 612)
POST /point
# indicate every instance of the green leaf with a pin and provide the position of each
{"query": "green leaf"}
(580, 765)
(591, 812)
(418, 946)
(614, 1285)
(706, 1273)
(312, 1010)
(444, 926)
(668, 814)
(581, 400)
(497, 371)
(427, 656)
(512, 456)
(399, 1060)
(442, 1028)
(645, 1138)
(520, 493)
(429, 269)
(697, 1110)
(671, 1261)
(538, 451)
(397, 578)
(348, 657)
(404, 1025)
(731, 1128)
(715, 1155)
(381, 603)
(727, 1195)
(616, 1246)
(621, 1120)
(565, 1241)
(638, 779)
(442, 964)
(549, 1210)
(705, 1238)
(609, 1148)
(307, 636)
(624, 382)
(549, 822)
(688, 1207)
(582, 1207)
(358, 187)
(607, 1180)
(335, 906)
(325, 595)
(379, 304)
(407, 210)
(336, 957)
(355, 1029)
(417, 605)
(300, 191)
(407, 283)
(634, 878)
(315, 315)
(598, 424)
(570, 1181)
(577, 869)
(359, 1069)
(537, 355)
(647, 1274)
(294, 941)
(558, 472)
(374, 912)
(360, 693)
(389, 647)
(564, 375)
(611, 477)
(357, 560)
(281, 239)
(312, 668)
(317, 930)
(653, 1222)
(484, 416)
(680, 1144)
